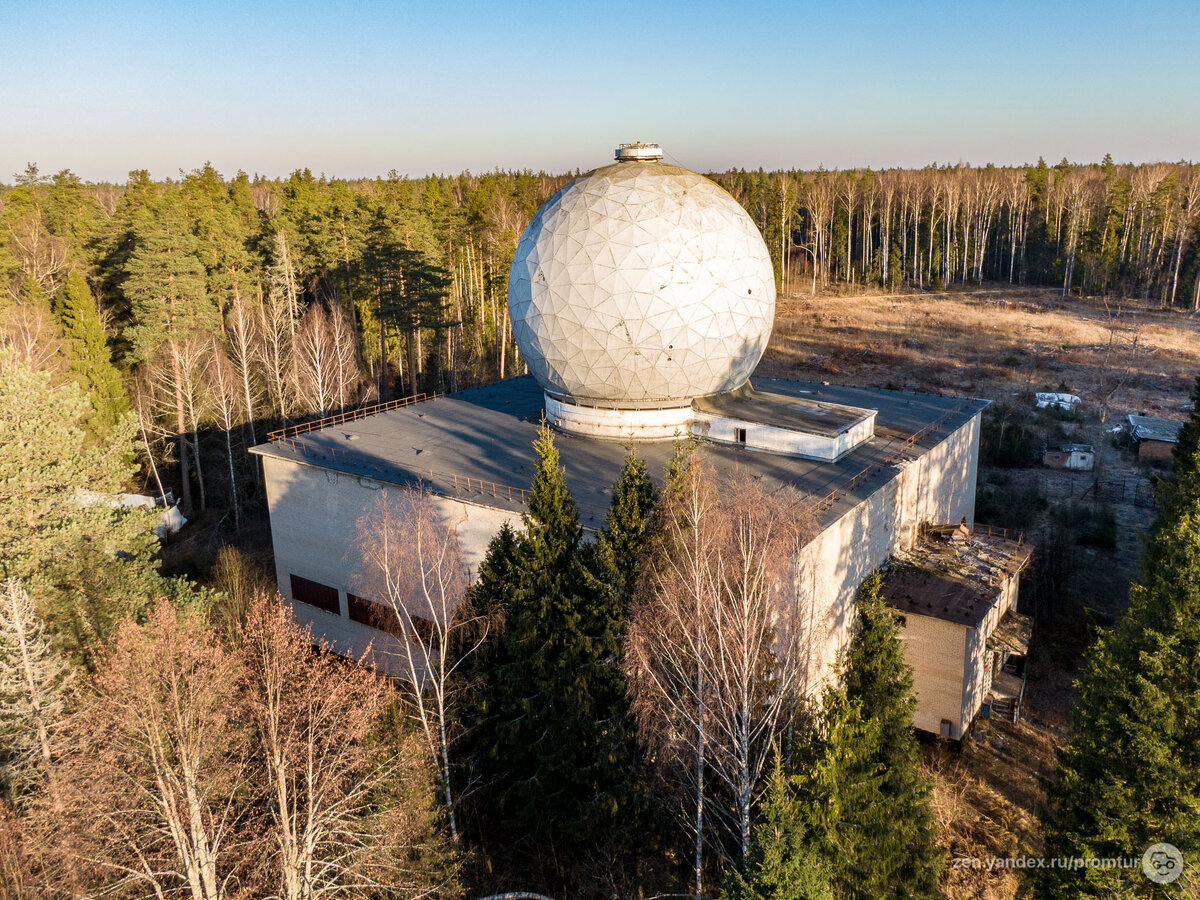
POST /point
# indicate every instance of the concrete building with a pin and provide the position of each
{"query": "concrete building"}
(474, 451)
(956, 593)
(642, 298)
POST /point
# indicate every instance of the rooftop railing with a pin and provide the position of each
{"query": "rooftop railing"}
(350, 415)
(829, 500)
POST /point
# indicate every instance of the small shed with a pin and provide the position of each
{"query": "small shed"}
(1155, 438)
(1079, 457)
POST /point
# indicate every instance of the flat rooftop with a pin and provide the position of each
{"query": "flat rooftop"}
(795, 413)
(477, 445)
(953, 579)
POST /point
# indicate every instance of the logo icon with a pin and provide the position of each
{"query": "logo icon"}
(1162, 863)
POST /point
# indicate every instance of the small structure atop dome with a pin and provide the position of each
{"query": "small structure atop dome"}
(638, 150)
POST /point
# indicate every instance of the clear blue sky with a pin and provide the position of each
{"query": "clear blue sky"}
(355, 89)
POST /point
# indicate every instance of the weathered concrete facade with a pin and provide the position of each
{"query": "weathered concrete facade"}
(939, 486)
(314, 527)
(315, 508)
(951, 595)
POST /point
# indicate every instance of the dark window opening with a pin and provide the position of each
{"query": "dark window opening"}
(383, 618)
(425, 631)
(739, 435)
(322, 596)
(373, 615)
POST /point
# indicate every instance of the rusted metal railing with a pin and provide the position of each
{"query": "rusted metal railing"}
(351, 415)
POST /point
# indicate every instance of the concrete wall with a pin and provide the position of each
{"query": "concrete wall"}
(785, 440)
(977, 674)
(314, 514)
(620, 424)
(936, 650)
(951, 664)
(314, 522)
(937, 487)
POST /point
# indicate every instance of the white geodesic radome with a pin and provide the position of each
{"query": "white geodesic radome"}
(641, 283)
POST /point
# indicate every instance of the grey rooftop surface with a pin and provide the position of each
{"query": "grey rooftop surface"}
(1149, 428)
(477, 445)
(796, 413)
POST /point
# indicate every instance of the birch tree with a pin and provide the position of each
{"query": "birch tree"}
(336, 827)
(716, 647)
(220, 380)
(153, 764)
(667, 648)
(33, 677)
(415, 569)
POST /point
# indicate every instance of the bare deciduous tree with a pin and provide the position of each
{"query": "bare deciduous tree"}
(716, 648)
(413, 565)
(153, 766)
(33, 677)
(32, 335)
(224, 400)
(243, 339)
(314, 716)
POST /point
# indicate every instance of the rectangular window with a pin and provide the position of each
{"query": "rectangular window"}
(373, 615)
(426, 633)
(322, 596)
(739, 435)
(384, 618)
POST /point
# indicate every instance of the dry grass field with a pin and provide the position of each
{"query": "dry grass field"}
(1003, 345)
(990, 343)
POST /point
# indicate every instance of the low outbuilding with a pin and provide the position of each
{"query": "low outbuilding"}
(955, 593)
(1078, 457)
(1057, 400)
(1155, 438)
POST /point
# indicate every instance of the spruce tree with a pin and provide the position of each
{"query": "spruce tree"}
(1186, 483)
(881, 680)
(863, 795)
(1129, 775)
(552, 742)
(88, 353)
(782, 865)
(621, 544)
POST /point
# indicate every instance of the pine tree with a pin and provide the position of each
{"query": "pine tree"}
(621, 544)
(1129, 775)
(90, 360)
(781, 865)
(86, 563)
(169, 304)
(862, 793)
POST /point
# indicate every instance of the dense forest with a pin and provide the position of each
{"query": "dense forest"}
(218, 308)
